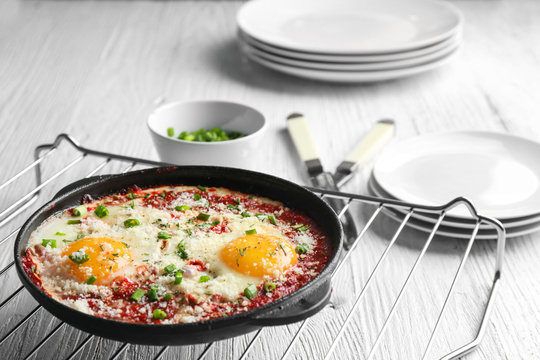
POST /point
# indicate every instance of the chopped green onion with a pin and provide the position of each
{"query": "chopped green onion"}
(73, 221)
(92, 279)
(159, 314)
(163, 194)
(163, 235)
(202, 188)
(131, 195)
(204, 279)
(272, 219)
(211, 135)
(79, 257)
(182, 208)
(60, 233)
(300, 227)
(80, 211)
(131, 223)
(182, 251)
(269, 287)
(232, 207)
(302, 248)
(197, 197)
(169, 268)
(170, 132)
(250, 292)
(125, 244)
(167, 297)
(137, 295)
(50, 242)
(101, 211)
(132, 205)
(251, 232)
(178, 276)
(203, 216)
(245, 214)
(152, 294)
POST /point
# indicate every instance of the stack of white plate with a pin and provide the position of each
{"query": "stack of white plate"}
(350, 40)
(499, 173)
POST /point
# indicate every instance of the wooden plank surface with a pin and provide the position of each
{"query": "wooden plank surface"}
(95, 69)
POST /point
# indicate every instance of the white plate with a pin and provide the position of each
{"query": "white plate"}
(351, 76)
(387, 65)
(349, 26)
(499, 173)
(349, 58)
(463, 223)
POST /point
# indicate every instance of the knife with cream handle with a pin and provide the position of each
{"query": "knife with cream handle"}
(378, 136)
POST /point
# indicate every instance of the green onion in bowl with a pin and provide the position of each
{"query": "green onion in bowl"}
(202, 135)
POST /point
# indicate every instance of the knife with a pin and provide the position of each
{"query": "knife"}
(378, 136)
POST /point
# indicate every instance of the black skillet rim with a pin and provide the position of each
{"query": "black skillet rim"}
(250, 316)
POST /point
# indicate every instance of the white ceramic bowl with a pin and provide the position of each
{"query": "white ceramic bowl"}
(194, 115)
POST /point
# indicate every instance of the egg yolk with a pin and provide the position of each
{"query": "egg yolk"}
(259, 255)
(104, 256)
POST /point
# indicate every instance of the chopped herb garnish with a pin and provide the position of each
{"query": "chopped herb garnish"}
(251, 232)
(202, 188)
(188, 232)
(232, 207)
(159, 314)
(167, 297)
(170, 132)
(131, 195)
(302, 248)
(163, 235)
(282, 248)
(197, 197)
(115, 254)
(67, 241)
(272, 219)
(250, 292)
(300, 227)
(92, 279)
(152, 294)
(178, 276)
(204, 279)
(169, 268)
(210, 135)
(132, 204)
(80, 236)
(125, 244)
(245, 214)
(79, 257)
(163, 194)
(80, 211)
(182, 208)
(203, 216)
(147, 195)
(60, 234)
(182, 251)
(131, 223)
(243, 251)
(237, 201)
(101, 211)
(137, 295)
(73, 221)
(261, 216)
(50, 242)
(269, 286)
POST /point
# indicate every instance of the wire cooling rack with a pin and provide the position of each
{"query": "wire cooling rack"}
(23, 328)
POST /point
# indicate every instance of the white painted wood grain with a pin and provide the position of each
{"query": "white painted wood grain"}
(95, 69)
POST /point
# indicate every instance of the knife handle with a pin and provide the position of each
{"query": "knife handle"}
(380, 134)
(304, 143)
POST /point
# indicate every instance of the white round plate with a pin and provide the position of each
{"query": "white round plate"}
(349, 58)
(499, 173)
(349, 26)
(462, 233)
(352, 76)
(387, 65)
(464, 223)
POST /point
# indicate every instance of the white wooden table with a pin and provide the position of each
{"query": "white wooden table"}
(95, 69)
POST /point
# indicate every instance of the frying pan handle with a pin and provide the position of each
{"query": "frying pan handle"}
(77, 184)
(288, 313)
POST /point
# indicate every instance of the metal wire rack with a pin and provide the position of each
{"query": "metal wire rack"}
(18, 207)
